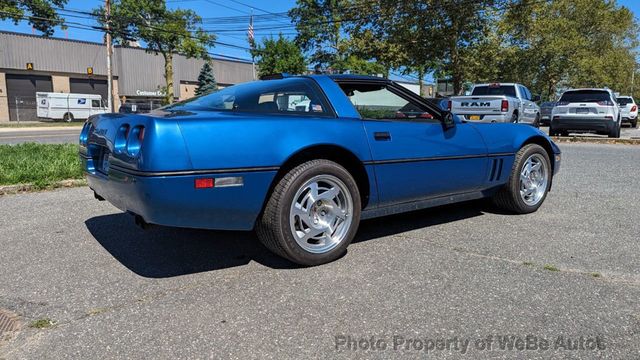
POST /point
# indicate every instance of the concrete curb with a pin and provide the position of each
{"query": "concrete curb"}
(41, 129)
(592, 140)
(22, 188)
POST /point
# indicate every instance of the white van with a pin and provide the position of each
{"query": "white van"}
(68, 107)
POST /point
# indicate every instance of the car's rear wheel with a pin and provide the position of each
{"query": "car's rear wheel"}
(528, 183)
(634, 123)
(536, 122)
(514, 118)
(615, 132)
(68, 117)
(312, 215)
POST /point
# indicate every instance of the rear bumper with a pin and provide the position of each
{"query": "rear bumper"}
(489, 118)
(629, 118)
(583, 124)
(174, 200)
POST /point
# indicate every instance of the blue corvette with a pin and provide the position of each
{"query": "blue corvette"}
(303, 159)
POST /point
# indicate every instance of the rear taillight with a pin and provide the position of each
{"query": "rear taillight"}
(120, 142)
(505, 106)
(449, 105)
(605, 103)
(84, 134)
(634, 108)
(425, 116)
(400, 115)
(134, 140)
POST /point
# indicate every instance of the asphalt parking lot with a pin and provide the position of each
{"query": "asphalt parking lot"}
(461, 272)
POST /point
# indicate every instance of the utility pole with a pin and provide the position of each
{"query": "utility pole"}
(110, 97)
(633, 75)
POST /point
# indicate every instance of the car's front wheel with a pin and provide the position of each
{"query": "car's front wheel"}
(312, 215)
(528, 183)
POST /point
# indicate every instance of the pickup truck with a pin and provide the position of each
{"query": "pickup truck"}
(491, 103)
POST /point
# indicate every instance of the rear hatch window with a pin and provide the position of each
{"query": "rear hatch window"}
(625, 101)
(491, 90)
(586, 96)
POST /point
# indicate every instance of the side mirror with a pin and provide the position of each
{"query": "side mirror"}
(447, 120)
(535, 98)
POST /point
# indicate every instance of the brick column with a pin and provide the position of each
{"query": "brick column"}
(4, 100)
(61, 84)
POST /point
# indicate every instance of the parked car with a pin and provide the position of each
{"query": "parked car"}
(68, 107)
(586, 110)
(545, 112)
(243, 158)
(496, 102)
(628, 110)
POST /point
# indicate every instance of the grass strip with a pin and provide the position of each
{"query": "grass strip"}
(41, 165)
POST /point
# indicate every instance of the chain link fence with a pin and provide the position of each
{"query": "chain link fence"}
(23, 108)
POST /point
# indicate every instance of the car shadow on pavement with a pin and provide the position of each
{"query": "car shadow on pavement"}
(161, 252)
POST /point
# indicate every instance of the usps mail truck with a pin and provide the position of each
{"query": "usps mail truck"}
(69, 107)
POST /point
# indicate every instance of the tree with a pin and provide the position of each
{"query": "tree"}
(42, 14)
(592, 44)
(318, 23)
(424, 36)
(206, 80)
(277, 56)
(164, 31)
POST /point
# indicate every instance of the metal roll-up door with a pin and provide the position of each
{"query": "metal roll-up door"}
(89, 86)
(21, 94)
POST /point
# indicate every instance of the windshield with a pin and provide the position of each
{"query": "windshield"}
(584, 96)
(508, 90)
(287, 96)
(625, 101)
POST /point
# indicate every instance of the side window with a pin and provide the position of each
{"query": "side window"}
(95, 103)
(295, 96)
(375, 101)
(526, 90)
(523, 92)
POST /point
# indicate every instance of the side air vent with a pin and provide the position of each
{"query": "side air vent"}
(496, 169)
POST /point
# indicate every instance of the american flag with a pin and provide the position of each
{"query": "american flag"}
(250, 33)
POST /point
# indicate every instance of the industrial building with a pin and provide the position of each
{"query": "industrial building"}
(30, 63)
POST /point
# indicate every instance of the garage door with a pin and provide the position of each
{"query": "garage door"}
(21, 93)
(89, 86)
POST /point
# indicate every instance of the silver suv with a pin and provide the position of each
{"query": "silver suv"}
(586, 110)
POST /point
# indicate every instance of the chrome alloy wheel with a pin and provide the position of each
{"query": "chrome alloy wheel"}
(534, 179)
(321, 214)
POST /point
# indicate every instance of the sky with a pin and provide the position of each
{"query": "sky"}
(269, 20)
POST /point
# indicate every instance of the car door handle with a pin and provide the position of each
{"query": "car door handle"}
(382, 136)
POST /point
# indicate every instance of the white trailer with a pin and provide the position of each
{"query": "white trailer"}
(68, 107)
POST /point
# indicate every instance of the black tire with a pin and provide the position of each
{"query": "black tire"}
(508, 197)
(634, 123)
(274, 228)
(615, 132)
(514, 118)
(536, 122)
(552, 131)
(68, 117)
